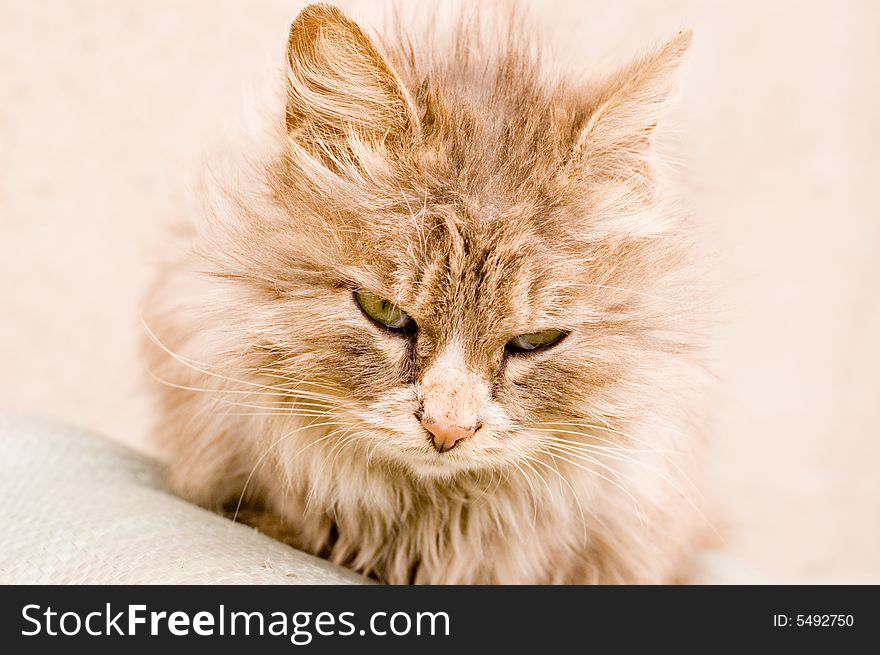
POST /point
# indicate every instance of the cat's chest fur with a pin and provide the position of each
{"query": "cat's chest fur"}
(482, 531)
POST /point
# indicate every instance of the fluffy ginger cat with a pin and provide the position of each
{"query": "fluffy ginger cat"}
(433, 324)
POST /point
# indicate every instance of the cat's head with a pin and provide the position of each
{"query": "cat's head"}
(459, 273)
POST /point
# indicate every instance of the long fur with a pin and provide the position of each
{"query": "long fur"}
(459, 178)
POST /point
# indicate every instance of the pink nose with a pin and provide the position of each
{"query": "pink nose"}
(446, 436)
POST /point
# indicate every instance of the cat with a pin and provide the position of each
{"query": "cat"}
(435, 322)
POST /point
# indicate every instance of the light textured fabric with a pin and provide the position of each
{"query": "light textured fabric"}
(81, 509)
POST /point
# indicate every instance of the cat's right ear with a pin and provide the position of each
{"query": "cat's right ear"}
(340, 86)
(627, 106)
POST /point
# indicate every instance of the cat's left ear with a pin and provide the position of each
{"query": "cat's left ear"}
(626, 107)
(340, 85)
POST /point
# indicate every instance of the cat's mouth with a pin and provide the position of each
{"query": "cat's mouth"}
(437, 466)
(431, 452)
(429, 462)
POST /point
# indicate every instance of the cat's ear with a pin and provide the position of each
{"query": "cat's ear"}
(626, 106)
(340, 85)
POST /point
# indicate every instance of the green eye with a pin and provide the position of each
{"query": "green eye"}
(383, 312)
(535, 340)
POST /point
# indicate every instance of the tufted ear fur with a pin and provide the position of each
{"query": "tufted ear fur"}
(340, 85)
(627, 106)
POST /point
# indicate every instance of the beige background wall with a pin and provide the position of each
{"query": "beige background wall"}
(107, 107)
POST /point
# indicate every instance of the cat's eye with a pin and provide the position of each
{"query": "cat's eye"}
(383, 312)
(535, 340)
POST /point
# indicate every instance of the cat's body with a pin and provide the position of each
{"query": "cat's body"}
(485, 201)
